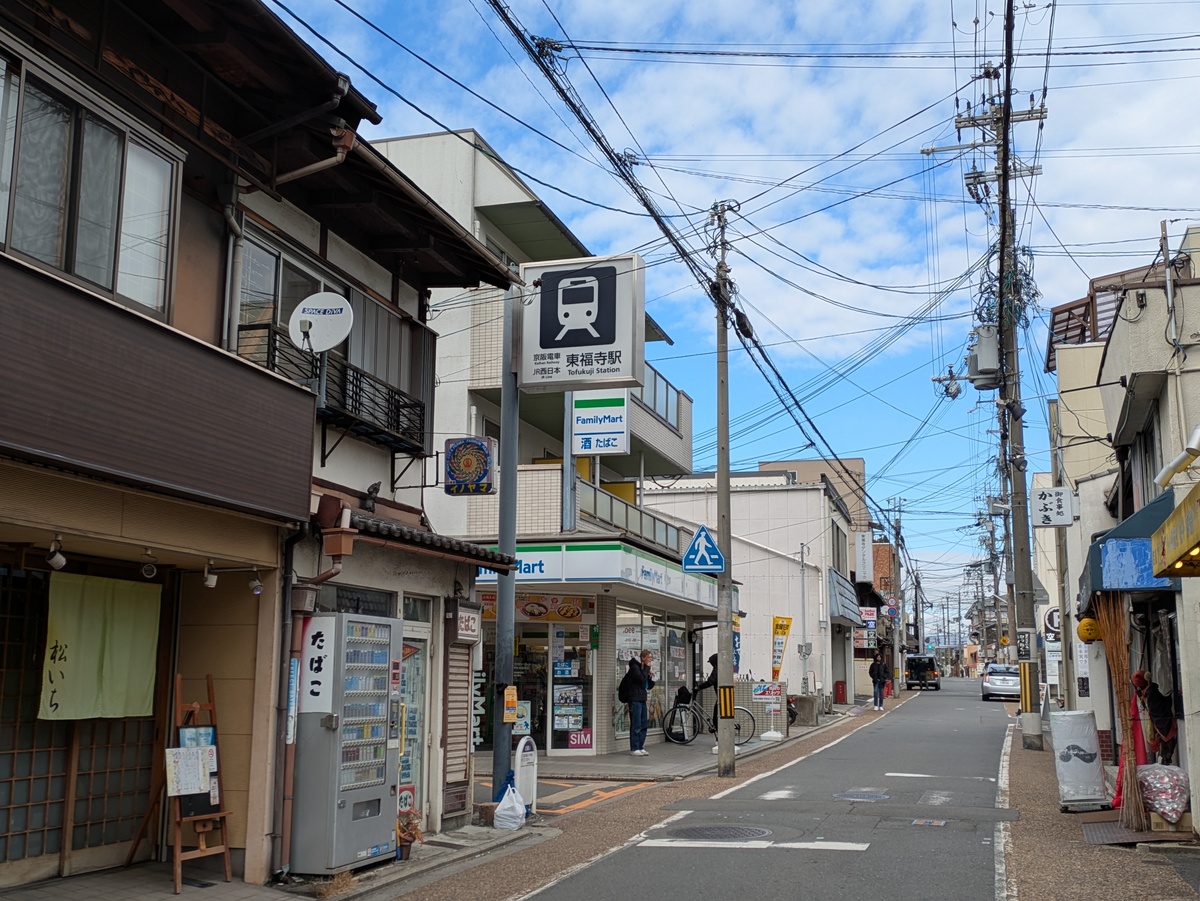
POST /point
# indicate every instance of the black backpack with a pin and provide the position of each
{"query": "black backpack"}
(623, 690)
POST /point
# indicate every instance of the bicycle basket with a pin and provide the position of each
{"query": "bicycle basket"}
(682, 695)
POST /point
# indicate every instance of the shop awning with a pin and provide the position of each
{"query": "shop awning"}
(843, 599)
(1176, 543)
(1121, 558)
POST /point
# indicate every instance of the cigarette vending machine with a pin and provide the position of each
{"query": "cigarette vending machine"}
(347, 732)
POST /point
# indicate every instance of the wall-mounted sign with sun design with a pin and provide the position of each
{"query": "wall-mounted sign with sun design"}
(470, 466)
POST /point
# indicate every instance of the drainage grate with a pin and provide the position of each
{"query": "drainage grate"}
(861, 796)
(929, 822)
(719, 833)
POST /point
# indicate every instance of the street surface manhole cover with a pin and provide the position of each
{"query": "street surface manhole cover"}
(719, 833)
(861, 796)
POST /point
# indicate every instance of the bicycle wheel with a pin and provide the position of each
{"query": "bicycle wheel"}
(681, 725)
(743, 725)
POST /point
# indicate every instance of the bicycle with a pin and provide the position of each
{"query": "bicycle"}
(684, 721)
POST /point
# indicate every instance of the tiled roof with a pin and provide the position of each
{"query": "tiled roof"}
(386, 528)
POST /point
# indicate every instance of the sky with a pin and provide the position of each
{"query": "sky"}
(857, 252)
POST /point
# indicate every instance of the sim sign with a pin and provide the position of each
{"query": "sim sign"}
(583, 324)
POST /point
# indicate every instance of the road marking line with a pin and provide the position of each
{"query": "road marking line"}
(758, 845)
(783, 794)
(597, 797)
(1005, 891)
(790, 763)
(935, 798)
(910, 775)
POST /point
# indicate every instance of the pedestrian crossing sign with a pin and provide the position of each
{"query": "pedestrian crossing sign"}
(703, 555)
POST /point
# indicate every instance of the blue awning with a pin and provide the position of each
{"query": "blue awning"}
(1120, 559)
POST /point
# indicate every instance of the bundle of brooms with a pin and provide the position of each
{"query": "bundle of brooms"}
(1114, 632)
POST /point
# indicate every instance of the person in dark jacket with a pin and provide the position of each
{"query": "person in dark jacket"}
(879, 678)
(638, 683)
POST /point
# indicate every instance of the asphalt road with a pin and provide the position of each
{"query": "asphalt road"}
(904, 808)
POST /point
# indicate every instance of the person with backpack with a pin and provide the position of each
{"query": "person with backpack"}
(633, 690)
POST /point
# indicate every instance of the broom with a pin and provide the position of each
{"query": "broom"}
(1110, 615)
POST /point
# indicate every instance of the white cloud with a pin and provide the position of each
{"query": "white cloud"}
(769, 119)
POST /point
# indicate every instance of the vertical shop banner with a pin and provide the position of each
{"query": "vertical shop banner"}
(780, 627)
(737, 642)
(101, 642)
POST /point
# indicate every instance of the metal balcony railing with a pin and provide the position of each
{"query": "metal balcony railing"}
(659, 395)
(610, 509)
(353, 398)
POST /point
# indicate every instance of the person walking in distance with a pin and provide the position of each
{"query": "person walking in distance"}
(879, 677)
(634, 689)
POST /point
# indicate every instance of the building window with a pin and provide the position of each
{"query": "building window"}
(389, 379)
(841, 557)
(88, 197)
(273, 284)
(416, 610)
(359, 601)
(502, 255)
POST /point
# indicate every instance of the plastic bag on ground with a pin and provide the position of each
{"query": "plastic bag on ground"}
(1165, 790)
(510, 812)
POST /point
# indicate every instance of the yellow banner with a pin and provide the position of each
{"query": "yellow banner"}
(780, 627)
(101, 647)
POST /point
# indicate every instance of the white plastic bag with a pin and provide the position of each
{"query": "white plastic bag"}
(510, 812)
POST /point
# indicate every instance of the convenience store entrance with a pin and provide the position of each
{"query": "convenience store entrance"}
(555, 694)
(553, 672)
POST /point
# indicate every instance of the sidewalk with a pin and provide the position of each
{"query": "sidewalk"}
(439, 854)
(1044, 853)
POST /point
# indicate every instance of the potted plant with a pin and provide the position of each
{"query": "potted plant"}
(408, 830)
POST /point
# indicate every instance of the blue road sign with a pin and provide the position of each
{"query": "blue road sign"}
(703, 555)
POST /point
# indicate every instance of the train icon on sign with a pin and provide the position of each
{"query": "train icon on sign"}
(578, 308)
(578, 304)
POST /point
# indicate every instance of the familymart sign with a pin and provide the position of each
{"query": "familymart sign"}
(600, 422)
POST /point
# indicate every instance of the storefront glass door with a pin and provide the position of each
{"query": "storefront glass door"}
(570, 690)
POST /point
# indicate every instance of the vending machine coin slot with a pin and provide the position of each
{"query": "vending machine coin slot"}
(394, 720)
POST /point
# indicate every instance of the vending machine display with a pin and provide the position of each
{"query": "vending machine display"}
(348, 722)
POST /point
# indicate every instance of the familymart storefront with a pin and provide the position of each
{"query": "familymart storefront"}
(583, 610)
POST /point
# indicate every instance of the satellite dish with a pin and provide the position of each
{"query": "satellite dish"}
(320, 322)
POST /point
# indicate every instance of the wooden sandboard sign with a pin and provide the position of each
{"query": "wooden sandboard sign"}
(191, 778)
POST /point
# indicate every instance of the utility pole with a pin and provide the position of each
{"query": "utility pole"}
(804, 614)
(721, 295)
(506, 582)
(998, 120)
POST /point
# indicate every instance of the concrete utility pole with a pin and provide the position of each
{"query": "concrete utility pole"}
(506, 582)
(1010, 301)
(721, 293)
(997, 121)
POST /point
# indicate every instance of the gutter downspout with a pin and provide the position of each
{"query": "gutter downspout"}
(278, 855)
(344, 140)
(334, 101)
(233, 304)
(289, 751)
